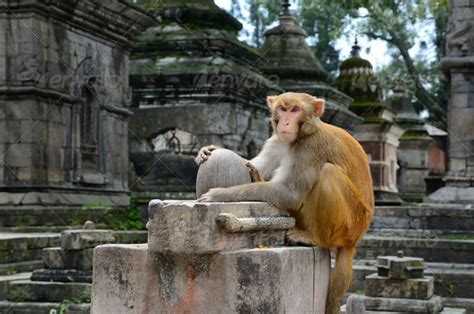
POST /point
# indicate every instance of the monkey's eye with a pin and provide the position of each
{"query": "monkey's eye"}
(295, 109)
(282, 108)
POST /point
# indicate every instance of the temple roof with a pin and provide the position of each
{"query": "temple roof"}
(357, 79)
(287, 51)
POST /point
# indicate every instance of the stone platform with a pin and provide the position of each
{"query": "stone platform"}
(211, 258)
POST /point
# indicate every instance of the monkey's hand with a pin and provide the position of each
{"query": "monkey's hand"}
(204, 154)
(254, 173)
(297, 237)
(214, 195)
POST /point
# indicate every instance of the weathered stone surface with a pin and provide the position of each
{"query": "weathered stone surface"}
(382, 287)
(272, 280)
(400, 267)
(62, 275)
(26, 290)
(58, 258)
(42, 144)
(84, 239)
(191, 228)
(223, 168)
(433, 305)
(459, 68)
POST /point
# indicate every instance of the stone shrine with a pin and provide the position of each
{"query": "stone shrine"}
(379, 134)
(194, 84)
(64, 101)
(211, 258)
(291, 60)
(458, 66)
(399, 286)
(414, 150)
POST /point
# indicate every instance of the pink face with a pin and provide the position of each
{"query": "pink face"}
(289, 118)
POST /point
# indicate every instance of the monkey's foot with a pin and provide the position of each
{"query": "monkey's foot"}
(204, 154)
(297, 237)
(254, 174)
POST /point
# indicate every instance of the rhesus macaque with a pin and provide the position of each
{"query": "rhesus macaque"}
(316, 171)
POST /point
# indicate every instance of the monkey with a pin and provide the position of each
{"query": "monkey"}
(317, 172)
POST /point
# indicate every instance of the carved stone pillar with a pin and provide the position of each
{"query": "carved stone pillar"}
(458, 66)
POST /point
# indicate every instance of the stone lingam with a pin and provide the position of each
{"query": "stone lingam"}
(212, 258)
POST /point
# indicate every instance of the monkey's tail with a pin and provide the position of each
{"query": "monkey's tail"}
(341, 279)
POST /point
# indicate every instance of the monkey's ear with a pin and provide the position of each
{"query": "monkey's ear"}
(270, 101)
(319, 106)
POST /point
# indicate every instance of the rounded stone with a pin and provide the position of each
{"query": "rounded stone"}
(222, 169)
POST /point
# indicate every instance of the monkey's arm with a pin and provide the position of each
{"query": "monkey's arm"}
(269, 159)
(272, 192)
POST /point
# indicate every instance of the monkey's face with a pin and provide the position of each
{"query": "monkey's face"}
(288, 119)
(293, 114)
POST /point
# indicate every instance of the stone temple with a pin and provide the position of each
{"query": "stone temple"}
(194, 84)
(64, 101)
(66, 96)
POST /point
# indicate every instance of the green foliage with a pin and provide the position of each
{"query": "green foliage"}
(398, 22)
(324, 21)
(132, 221)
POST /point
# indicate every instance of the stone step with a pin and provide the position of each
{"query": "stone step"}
(58, 216)
(431, 249)
(42, 308)
(463, 303)
(451, 280)
(422, 233)
(6, 280)
(441, 218)
(20, 247)
(13, 268)
(49, 229)
(41, 291)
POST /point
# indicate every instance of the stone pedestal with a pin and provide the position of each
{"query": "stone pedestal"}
(458, 66)
(211, 258)
(399, 286)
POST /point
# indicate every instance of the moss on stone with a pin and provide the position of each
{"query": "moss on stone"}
(355, 62)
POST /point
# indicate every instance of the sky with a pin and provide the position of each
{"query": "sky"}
(376, 51)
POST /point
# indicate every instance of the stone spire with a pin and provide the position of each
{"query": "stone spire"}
(379, 134)
(355, 49)
(285, 8)
(292, 63)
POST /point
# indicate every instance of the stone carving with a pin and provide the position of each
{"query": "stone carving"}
(28, 69)
(459, 41)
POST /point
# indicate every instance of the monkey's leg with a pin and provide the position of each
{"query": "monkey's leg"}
(337, 219)
(298, 237)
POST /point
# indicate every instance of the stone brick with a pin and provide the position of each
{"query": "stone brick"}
(382, 287)
(19, 155)
(272, 280)
(48, 291)
(84, 239)
(191, 228)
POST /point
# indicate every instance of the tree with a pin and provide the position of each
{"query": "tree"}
(396, 22)
(324, 21)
